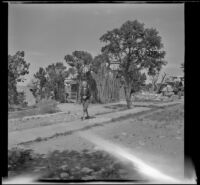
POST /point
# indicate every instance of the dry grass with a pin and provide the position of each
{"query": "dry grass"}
(45, 106)
(168, 114)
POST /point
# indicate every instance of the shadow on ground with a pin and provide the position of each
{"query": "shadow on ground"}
(70, 165)
(121, 107)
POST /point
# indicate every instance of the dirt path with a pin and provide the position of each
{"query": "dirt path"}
(69, 113)
(157, 138)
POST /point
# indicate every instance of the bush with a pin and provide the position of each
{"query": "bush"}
(68, 165)
(19, 103)
(47, 106)
(17, 157)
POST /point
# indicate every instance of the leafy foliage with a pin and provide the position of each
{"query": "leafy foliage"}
(17, 68)
(49, 82)
(134, 48)
(68, 165)
(80, 61)
(100, 61)
(56, 74)
(42, 80)
(17, 157)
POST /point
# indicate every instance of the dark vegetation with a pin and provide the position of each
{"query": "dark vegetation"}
(44, 106)
(68, 165)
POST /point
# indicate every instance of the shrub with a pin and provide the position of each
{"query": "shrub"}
(47, 106)
(17, 157)
(69, 165)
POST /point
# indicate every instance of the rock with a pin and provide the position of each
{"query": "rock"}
(64, 175)
(37, 169)
(86, 170)
(77, 168)
(64, 167)
(88, 178)
(124, 134)
(141, 143)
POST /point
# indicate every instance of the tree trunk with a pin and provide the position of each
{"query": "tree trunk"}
(78, 98)
(77, 95)
(153, 86)
(40, 93)
(127, 91)
(159, 88)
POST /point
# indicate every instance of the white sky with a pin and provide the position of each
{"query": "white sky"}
(47, 32)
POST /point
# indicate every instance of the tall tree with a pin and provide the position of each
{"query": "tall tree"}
(99, 60)
(42, 80)
(56, 74)
(134, 48)
(17, 69)
(48, 80)
(79, 61)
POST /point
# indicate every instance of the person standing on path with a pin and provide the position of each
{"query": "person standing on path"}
(85, 98)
